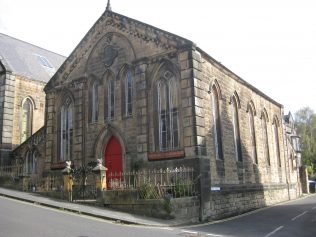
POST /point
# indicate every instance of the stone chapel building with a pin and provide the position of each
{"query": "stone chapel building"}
(24, 71)
(133, 94)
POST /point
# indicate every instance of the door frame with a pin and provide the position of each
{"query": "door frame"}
(102, 141)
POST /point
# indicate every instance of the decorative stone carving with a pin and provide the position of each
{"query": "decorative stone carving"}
(110, 54)
(124, 24)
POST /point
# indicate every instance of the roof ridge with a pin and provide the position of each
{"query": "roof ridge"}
(25, 42)
(151, 26)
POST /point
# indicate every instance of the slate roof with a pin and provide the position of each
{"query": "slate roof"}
(28, 60)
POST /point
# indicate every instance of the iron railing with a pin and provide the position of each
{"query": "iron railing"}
(155, 184)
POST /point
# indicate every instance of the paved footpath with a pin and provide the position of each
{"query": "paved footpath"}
(99, 212)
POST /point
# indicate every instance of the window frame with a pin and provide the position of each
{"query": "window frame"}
(169, 114)
(236, 129)
(66, 130)
(29, 120)
(252, 132)
(217, 129)
(275, 128)
(265, 138)
(128, 93)
(94, 113)
(109, 105)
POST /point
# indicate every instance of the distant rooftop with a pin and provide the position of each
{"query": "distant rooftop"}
(28, 60)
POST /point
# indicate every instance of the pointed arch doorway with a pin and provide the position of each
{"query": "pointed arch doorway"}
(113, 162)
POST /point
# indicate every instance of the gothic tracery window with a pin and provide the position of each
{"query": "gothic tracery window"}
(66, 130)
(168, 118)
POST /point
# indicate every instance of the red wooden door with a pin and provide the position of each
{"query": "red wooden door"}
(113, 162)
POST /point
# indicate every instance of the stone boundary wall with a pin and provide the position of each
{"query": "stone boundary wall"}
(235, 200)
(186, 208)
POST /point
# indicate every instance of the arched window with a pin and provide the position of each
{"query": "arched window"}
(276, 141)
(26, 120)
(252, 134)
(265, 138)
(168, 118)
(28, 163)
(95, 101)
(128, 93)
(237, 140)
(66, 130)
(109, 105)
(217, 124)
(34, 162)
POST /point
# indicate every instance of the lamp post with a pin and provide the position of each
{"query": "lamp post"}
(68, 182)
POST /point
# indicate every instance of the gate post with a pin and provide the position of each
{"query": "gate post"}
(100, 171)
(68, 182)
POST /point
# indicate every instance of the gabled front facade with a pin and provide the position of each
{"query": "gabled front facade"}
(122, 82)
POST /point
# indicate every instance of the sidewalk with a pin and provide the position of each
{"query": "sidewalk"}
(99, 212)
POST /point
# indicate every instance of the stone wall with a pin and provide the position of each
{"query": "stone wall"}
(26, 88)
(14, 90)
(184, 209)
(228, 172)
(236, 200)
(7, 87)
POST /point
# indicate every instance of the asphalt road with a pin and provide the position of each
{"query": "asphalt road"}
(296, 218)
(20, 219)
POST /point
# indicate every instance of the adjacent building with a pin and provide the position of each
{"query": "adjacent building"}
(24, 71)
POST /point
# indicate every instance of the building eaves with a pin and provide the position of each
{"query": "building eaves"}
(238, 78)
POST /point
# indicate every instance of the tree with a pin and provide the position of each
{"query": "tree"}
(305, 120)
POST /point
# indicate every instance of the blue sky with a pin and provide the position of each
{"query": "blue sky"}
(271, 44)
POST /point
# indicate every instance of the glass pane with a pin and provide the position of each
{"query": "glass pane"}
(94, 115)
(111, 99)
(173, 101)
(128, 93)
(162, 96)
(236, 131)
(26, 120)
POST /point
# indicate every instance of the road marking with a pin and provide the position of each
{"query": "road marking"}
(294, 218)
(189, 232)
(314, 208)
(167, 228)
(273, 232)
(214, 235)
